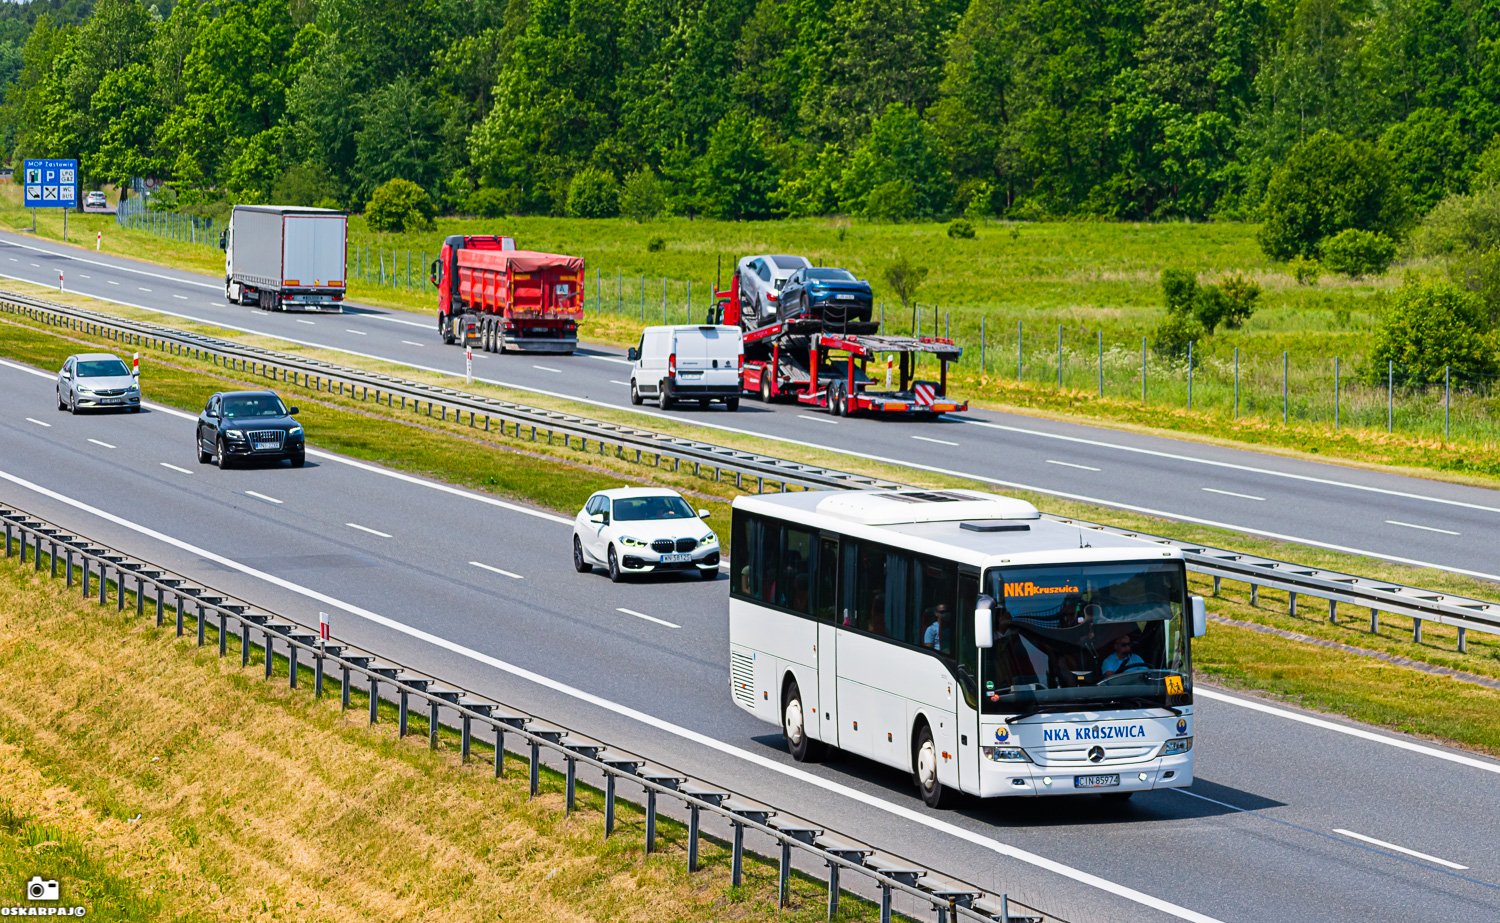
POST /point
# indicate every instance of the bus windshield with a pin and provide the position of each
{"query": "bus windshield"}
(1084, 635)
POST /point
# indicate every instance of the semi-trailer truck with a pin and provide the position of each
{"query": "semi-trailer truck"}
(286, 258)
(499, 298)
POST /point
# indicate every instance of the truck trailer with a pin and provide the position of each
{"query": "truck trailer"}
(286, 258)
(499, 298)
(826, 365)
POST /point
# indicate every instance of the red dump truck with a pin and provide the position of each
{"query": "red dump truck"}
(499, 298)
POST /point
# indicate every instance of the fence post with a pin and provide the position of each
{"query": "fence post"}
(663, 300)
(981, 344)
(1335, 393)
(1447, 399)
(1019, 360)
(1059, 357)
(1283, 387)
(1236, 382)
(1143, 370)
(1390, 395)
(1190, 375)
(1101, 361)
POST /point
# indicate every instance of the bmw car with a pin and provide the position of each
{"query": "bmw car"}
(643, 530)
(834, 296)
(245, 426)
(761, 279)
(97, 381)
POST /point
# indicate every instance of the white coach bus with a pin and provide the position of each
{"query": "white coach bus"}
(959, 636)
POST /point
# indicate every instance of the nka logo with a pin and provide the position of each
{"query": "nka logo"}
(1110, 732)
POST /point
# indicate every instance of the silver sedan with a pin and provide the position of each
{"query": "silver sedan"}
(97, 380)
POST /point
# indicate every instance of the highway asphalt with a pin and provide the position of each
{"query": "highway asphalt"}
(1385, 515)
(1292, 817)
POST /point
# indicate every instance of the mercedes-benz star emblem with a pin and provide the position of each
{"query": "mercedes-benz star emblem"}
(1096, 754)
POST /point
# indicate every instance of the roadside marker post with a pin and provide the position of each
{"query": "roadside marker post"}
(468, 365)
(98, 241)
(60, 276)
(323, 631)
(135, 367)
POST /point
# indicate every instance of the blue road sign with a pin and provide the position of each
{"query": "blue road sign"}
(51, 183)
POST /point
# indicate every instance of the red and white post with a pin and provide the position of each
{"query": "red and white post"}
(468, 364)
(98, 241)
(135, 367)
(323, 634)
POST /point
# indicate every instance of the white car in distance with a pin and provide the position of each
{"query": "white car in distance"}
(643, 530)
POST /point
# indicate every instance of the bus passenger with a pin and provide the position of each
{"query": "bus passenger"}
(939, 634)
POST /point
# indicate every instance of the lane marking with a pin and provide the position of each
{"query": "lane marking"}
(808, 416)
(260, 496)
(625, 383)
(1361, 733)
(358, 333)
(394, 320)
(760, 760)
(649, 618)
(1412, 525)
(141, 289)
(84, 275)
(120, 268)
(183, 297)
(175, 468)
(38, 422)
(603, 358)
(1313, 479)
(1402, 849)
(355, 525)
(938, 441)
(37, 265)
(105, 444)
(1230, 493)
(410, 343)
(111, 281)
(496, 570)
(547, 369)
(307, 322)
(1052, 461)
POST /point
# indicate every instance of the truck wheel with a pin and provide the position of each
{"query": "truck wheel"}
(227, 296)
(765, 389)
(794, 728)
(635, 394)
(664, 396)
(444, 330)
(731, 403)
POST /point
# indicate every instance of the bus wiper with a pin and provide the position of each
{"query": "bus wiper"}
(1145, 702)
(1039, 709)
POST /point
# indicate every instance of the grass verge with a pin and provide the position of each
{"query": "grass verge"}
(158, 782)
(561, 478)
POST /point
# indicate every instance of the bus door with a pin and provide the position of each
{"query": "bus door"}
(967, 704)
(828, 614)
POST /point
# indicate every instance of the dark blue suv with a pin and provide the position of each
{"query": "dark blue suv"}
(833, 296)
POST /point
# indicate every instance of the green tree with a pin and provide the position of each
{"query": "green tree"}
(396, 137)
(641, 197)
(1355, 253)
(1327, 184)
(1428, 151)
(897, 173)
(1430, 327)
(738, 173)
(593, 194)
(400, 205)
(905, 277)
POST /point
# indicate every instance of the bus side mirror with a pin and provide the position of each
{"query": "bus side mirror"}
(633, 354)
(984, 622)
(1200, 616)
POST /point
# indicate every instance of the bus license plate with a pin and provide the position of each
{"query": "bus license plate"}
(676, 558)
(1096, 781)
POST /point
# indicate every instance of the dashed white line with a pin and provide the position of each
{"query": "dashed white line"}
(307, 322)
(614, 382)
(938, 441)
(111, 281)
(358, 333)
(142, 289)
(411, 343)
(175, 468)
(14, 260)
(1052, 461)
(37, 265)
(496, 570)
(808, 416)
(355, 525)
(258, 496)
(1412, 525)
(546, 368)
(649, 618)
(105, 444)
(1401, 849)
(84, 275)
(38, 422)
(183, 297)
(1230, 493)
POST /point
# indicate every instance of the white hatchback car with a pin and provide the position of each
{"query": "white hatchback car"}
(643, 530)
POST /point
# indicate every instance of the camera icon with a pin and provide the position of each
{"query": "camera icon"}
(41, 889)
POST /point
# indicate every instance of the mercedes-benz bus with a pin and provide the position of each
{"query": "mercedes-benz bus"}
(959, 636)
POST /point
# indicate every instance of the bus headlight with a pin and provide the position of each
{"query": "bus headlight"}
(1006, 754)
(1180, 745)
(631, 542)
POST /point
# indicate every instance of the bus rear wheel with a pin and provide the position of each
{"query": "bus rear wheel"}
(794, 728)
(925, 771)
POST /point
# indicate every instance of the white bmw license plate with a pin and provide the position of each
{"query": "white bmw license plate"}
(1096, 781)
(676, 558)
(846, 297)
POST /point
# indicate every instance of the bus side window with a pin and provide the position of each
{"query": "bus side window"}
(794, 589)
(968, 654)
(867, 571)
(828, 579)
(753, 553)
(933, 600)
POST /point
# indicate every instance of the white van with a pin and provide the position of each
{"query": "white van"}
(699, 363)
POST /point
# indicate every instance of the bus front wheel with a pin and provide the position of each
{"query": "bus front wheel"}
(925, 771)
(794, 729)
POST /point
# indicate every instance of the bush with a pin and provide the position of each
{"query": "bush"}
(1236, 299)
(1357, 253)
(400, 205)
(1304, 270)
(1172, 336)
(961, 229)
(641, 197)
(892, 201)
(486, 202)
(593, 193)
(1180, 290)
(1461, 224)
(655, 245)
(1431, 326)
(1327, 184)
(1230, 303)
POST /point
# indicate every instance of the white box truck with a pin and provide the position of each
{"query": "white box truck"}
(285, 258)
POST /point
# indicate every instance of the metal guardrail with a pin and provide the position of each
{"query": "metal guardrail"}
(887, 872)
(1418, 604)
